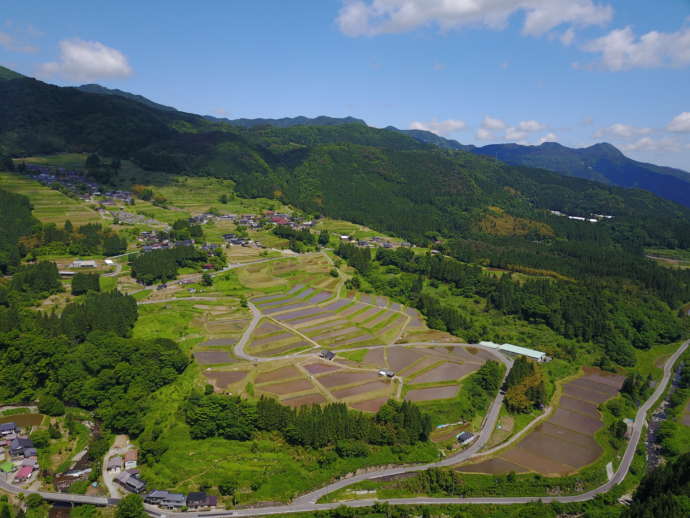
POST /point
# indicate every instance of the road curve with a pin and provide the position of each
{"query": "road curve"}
(306, 502)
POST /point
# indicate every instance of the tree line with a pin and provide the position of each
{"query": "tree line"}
(161, 265)
(214, 415)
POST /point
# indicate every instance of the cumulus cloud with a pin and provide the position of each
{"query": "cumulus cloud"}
(621, 130)
(483, 134)
(650, 144)
(515, 135)
(87, 61)
(620, 49)
(530, 126)
(680, 123)
(549, 137)
(439, 127)
(489, 123)
(372, 17)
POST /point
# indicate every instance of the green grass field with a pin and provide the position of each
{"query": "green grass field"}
(50, 206)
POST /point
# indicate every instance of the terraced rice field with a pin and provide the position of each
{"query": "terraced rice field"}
(283, 373)
(565, 442)
(223, 379)
(343, 378)
(286, 387)
(370, 405)
(432, 393)
(212, 357)
(446, 372)
(309, 399)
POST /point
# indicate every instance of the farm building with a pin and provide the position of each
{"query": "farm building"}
(327, 355)
(516, 349)
(23, 474)
(115, 464)
(83, 264)
(465, 437)
(8, 428)
(130, 482)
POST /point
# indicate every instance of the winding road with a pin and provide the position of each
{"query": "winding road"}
(307, 502)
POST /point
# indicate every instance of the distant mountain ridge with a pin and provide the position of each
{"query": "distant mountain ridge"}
(102, 90)
(288, 122)
(601, 162)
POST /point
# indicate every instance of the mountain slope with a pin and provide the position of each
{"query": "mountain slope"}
(288, 122)
(102, 90)
(601, 162)
(377, 177)
(7, 74)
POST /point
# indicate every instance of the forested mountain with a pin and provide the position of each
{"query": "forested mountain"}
(288, 122)
(102, 90)
(600, 162)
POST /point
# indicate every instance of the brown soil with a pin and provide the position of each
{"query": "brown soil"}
(446, 372)
(370, 405)
(429, 394)
(211, 357)
(287, 372)
(400, 357)
(224, 378)
(340, 378)
(372, 386)
(287, 387)
(320, 368)
(309, 399)
(578, 422)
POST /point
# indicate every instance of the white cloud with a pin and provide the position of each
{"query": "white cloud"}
(568, 36)
(483, 134)
(489, 123)
(650, 144)
(87, 61)
(530, 126)
(9, 42)
(621, 130)
(515, 135)
(372, 17)
(549, 137)
(622, 50)
(680, 123)
(439, 127)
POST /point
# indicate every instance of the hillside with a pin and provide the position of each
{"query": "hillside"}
(6, 74)
(600, 162)
(380, 178)
(102, 90)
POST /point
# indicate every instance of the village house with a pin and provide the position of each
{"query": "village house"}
(131, 482)
(23, 474)
(115, 464)
(200, 500)
(166, 499)
(22, 447)
(327, 355)
(8, 428)
(465, 437)
(131, 458)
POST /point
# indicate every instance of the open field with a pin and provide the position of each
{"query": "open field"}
(565, 442)
(50, 206)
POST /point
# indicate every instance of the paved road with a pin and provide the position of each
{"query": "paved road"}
(306, 503)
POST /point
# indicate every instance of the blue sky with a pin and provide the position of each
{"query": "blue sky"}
(479, 71)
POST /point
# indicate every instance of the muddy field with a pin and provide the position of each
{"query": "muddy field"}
(366, 314)
(287, 372)
(446, 372)
(565, 442)
(340, 378)
(23, 420)
(375, 357)
(354, 340)
(267, 327)
(330, 324)
(219, 342)
(372, 386)
(320, 297)
(211, 357)
(224, 378)
(287, 387)
(283, 349)
(309, 399)
(399, 357)
(340, 332)
(370, 405)
(320, 368)
(429, 394)
(288, 307)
